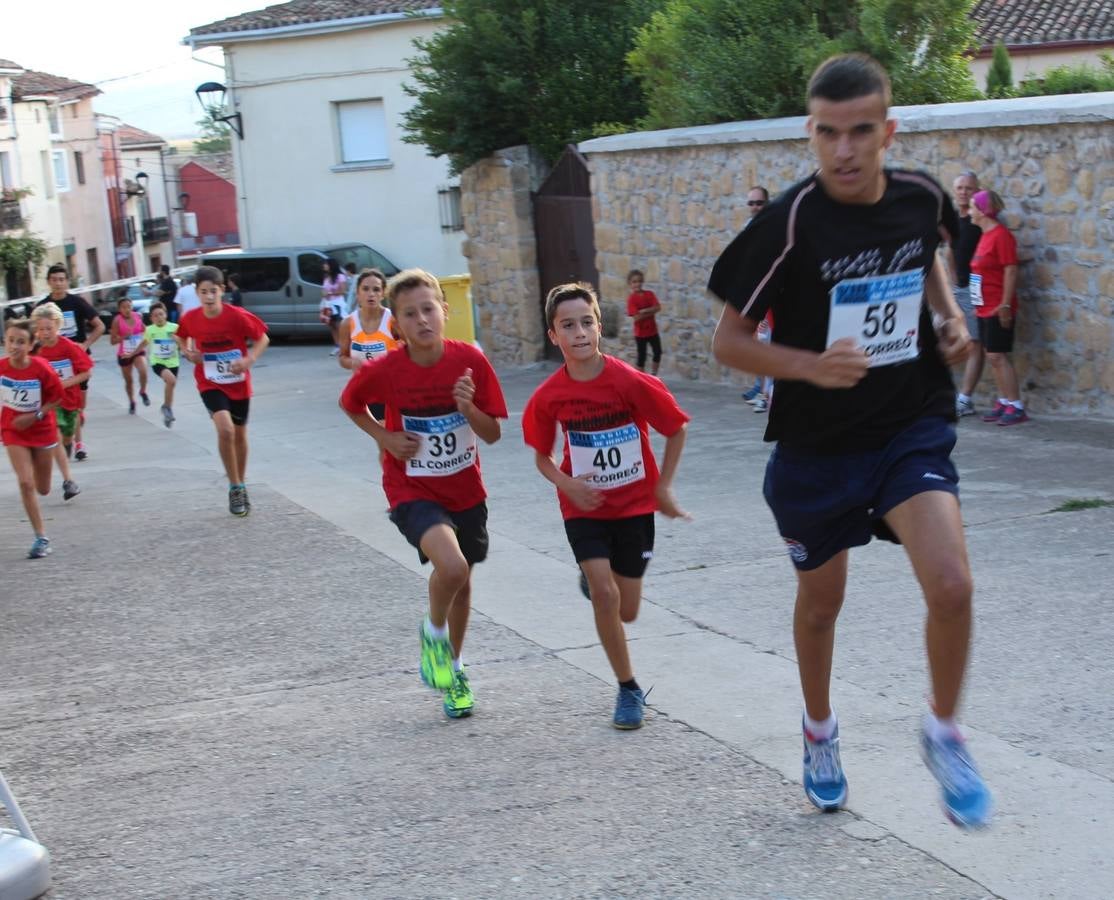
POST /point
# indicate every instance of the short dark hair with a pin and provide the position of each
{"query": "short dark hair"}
(758, 187)
(164, 269)
(575, 290)
(209, 273)
(350, 268)
(158, 304)
(848, 77)
(56, 268)
(637, 272)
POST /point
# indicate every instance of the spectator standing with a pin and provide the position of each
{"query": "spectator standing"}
(166, 293)
(994, 294)
(959, 263)
(334, 290)
(642, 306)
(187, 296)
(757, 199)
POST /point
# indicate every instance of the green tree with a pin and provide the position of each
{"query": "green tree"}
(507, 72)
(999, 78)
(216, 137)
(703, 61)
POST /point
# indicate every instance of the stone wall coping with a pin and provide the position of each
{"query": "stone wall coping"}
(1055, 110)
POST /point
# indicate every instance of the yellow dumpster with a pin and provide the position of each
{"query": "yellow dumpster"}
(461, 324)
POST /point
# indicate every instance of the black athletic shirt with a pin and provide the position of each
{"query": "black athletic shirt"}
(790, 258)
(964, 248)
(169, 288)
(76, 316)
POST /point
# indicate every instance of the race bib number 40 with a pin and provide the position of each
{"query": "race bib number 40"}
(218, 367)
(448, 445)
(881, 312)
(613, 457)
(22, 395)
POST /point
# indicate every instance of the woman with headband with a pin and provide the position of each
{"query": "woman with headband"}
(993, 288)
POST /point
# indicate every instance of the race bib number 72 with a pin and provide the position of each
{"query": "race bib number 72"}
(881, 313)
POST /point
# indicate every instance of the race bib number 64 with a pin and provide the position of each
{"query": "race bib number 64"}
(881, 312)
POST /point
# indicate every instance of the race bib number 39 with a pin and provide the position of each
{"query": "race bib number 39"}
(881, 312)
(218, 367)
(448, 445)
(613, 457)
(22, 395)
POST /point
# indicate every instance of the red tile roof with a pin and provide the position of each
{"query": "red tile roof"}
(130, 136)
(1028, 22)
(8, 64)
(302, 12)
(39, 84)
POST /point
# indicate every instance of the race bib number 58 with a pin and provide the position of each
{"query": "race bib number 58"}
(881, 312)
(613, 457)
(448, 445)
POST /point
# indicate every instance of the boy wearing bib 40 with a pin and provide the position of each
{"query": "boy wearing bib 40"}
(865, 406)
(439, 396)
(221, 362)
(607, 483)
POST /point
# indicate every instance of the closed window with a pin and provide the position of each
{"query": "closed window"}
(52, 118)
(48, 172)
(6, 181)
(363, 131)
(263, 273)
(79, 164)
(61, 173)
(311, 268)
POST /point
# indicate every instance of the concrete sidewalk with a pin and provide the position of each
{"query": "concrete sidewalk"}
(199, 706)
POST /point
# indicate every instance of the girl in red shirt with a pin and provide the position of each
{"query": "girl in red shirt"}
(29, 391)
(993, 287)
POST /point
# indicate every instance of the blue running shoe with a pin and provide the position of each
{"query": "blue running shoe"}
(825, 784)
(754, 391)
(628, 709)
(965, 795)
(40, 548)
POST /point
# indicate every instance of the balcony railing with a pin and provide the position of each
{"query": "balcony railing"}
(156, 229)
(11, 217)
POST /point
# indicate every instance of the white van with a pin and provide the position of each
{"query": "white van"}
(282, 285)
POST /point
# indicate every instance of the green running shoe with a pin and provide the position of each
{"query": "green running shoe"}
(458, 698)
(437, 660)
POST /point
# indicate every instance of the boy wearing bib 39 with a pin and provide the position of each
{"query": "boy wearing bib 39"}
(439, 395)
(865, 409)
(607, 484)
(73, 365)
(221, 363)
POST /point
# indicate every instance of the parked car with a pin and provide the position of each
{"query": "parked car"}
(282, 285)
(141, 302)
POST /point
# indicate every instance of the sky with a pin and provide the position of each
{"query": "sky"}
(132, 51)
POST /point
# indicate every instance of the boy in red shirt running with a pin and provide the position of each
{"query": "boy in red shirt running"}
(439, 395)
(29, 391)
(607, 484)
(642, 306)
(74, 366)
(221, 359)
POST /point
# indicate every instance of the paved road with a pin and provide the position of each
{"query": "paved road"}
(197, 706)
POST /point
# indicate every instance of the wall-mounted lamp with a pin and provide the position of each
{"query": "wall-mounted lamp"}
(211, 97)
(138, 187)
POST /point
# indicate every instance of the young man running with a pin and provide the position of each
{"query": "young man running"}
(221, 359)
(82, 325)
(864, 418)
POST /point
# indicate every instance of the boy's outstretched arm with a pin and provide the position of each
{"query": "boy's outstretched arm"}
(671, 457)
(582, 494)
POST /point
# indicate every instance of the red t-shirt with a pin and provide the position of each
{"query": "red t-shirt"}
(220, 340)
(419, 400)
(28, 390)
(67, 360)
(997, 249)
(637, 301)
(605, 432)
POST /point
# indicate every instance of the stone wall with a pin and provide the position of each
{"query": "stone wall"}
(502, 252)
(669, 202)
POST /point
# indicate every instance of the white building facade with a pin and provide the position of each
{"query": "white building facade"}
(322, 160)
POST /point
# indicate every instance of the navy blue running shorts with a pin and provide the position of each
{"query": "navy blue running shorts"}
(826, 504)
(415, 518)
